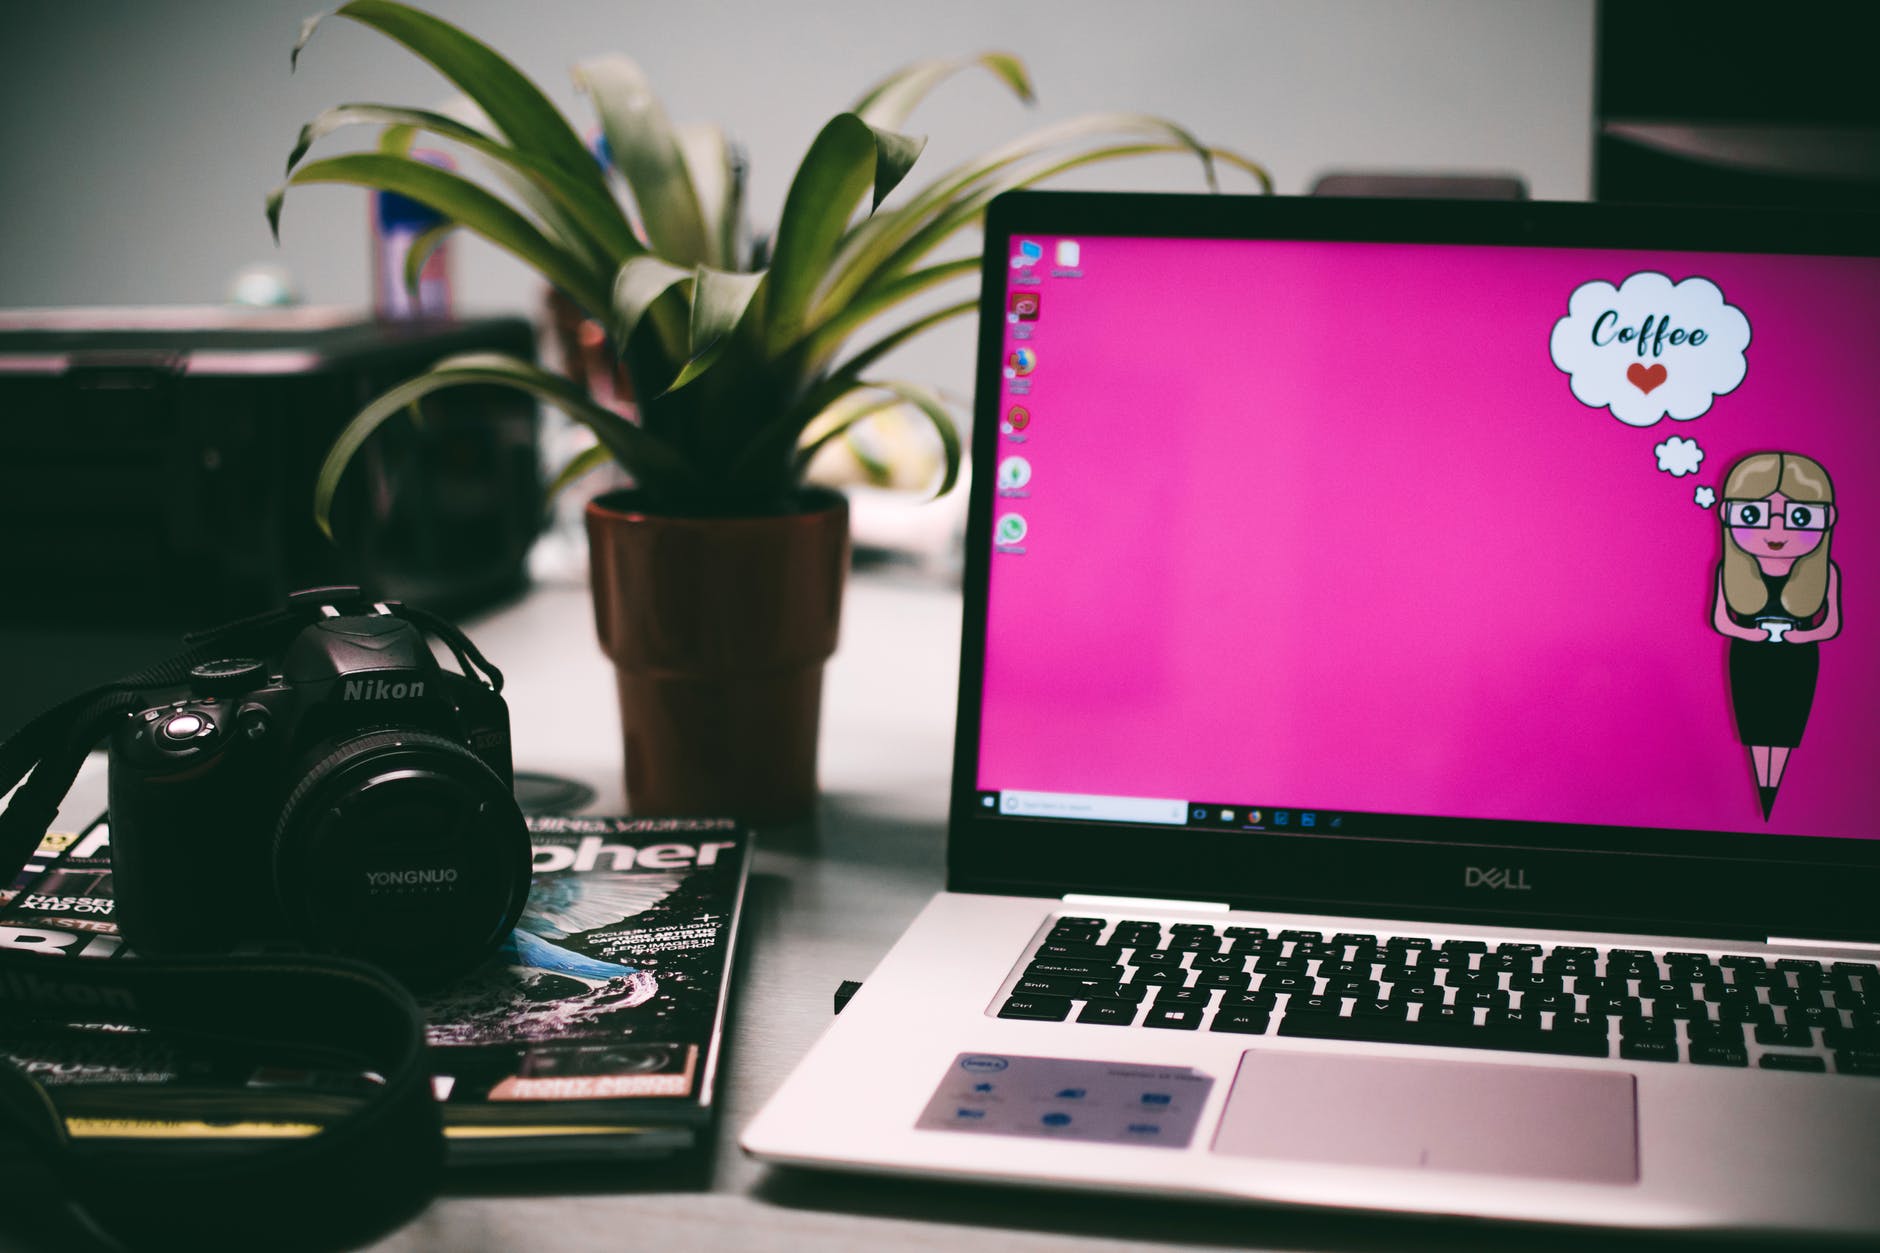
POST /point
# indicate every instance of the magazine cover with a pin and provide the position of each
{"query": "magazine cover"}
(594, 1032)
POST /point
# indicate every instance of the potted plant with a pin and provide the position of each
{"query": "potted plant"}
(717, 577)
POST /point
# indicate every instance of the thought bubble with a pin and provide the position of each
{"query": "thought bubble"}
(1678, 456)
(1650, 348)
(1705, 497)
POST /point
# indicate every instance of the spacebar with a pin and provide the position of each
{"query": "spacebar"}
(1388, 1031)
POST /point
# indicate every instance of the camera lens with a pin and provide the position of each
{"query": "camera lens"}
(405, 849)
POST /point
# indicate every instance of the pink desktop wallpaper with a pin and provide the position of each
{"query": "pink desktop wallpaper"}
(1408, 528)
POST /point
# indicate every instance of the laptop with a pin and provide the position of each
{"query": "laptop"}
(1415, 734)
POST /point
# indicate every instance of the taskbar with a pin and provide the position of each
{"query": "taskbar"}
(1162, 811)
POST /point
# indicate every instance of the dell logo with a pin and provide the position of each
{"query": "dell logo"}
(380, 689)
(1510, 879)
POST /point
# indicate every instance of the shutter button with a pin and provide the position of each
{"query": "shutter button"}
(181, 727)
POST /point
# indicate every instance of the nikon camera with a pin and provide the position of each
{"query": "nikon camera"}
(350, 795)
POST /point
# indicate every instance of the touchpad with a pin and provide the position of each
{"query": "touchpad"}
(1472, 1117)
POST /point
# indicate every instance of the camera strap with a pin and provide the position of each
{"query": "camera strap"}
(363, 1169)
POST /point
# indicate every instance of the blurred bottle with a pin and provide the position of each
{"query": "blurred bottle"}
(400, 224)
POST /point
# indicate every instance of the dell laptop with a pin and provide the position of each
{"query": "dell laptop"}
(1416, 725)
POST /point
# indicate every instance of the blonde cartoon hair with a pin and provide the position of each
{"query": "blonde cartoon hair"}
(1799, 478)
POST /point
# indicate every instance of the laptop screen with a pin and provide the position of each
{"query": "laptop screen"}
(1361, 538)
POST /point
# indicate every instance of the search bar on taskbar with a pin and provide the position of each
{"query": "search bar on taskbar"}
(1092, 808)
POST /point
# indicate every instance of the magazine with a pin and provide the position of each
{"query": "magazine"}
(595, 1032)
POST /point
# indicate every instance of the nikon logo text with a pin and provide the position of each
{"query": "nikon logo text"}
(410, 878)
(26, 989)
(1507, 879)
(380, 689)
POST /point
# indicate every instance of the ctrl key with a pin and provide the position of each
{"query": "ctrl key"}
(1038, 1008)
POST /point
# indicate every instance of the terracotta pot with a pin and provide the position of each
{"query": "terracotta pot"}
(718, 629)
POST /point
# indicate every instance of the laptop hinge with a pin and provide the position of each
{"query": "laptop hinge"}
(1784, 941)
(1089, 901)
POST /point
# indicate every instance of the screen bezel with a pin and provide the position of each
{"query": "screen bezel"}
(1610, 878)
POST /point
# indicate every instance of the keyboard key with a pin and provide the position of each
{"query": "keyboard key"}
(1648, 1049)
(1074, 967)
(1031, 985)
(1192, 943)
(1549, 984)
(1396, 1011)
(1167, 976)
(1109, 1013)
(1850, 1062)
(1131, 992)
(1184, 996)
(1803, 970)
(1561, 1003)
(1093, 923)
(1288, 983)
(1234, 979)
(1344, 938)
(1720, 1033)
(1814, 1015)
(1217, 961)
(1648, 1029)
(1745, 1011)
(1512, 1020)
(1156, 957)
(1615, 1006)
(1417, 993)
(1041, 1008)
(1472, 979)
(1080, 949)
(1283, 966)
(1481, 998)
(1791, 1036)
(1407, 944)
(1330, 969)
(1806, 998)
(1241, 1021)
(1192, 928)
(1360, 989)
(1178, 1017)
(1303, 1003)
(1248, 1000)
(1792, 1061)
(1719, 1054)
(1862, 977)
(1244, 933)
(1310, 937)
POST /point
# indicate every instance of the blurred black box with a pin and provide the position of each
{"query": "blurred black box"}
(157, 470)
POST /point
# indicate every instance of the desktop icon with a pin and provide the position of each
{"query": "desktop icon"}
(1029, 253)
(1022, 362)
(1023, 306)
(1308, 820)
(1011, 529)
(1014, 473)
(1281, 817)
(1253, 817)
(1068, 254)
(1227, 815)
(1017, 418)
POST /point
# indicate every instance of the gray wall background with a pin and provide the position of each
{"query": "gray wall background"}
(137, 137)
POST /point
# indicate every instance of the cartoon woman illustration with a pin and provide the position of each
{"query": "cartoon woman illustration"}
(1778, 597)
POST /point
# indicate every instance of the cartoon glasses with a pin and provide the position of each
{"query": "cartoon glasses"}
(1796, 515)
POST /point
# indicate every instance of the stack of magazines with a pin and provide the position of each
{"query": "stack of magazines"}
(594, 1034)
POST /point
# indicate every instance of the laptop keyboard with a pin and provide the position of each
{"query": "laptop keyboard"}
(1637, 1004)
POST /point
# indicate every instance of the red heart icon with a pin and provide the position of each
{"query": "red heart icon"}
(1645, 377)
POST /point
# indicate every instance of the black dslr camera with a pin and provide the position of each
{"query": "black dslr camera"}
(348, 795)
